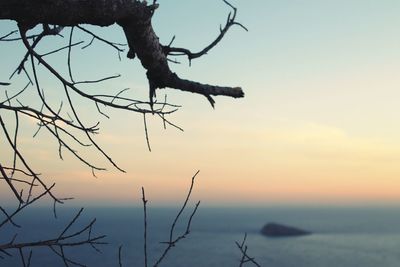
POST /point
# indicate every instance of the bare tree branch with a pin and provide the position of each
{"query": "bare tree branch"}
(65, 123)
(245, 256)
(135, 19)
(63, 240)
(174, 240)
(231, 21)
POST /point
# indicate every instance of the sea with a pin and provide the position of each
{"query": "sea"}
(342, 236)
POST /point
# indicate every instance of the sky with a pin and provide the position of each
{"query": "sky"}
(319, 123)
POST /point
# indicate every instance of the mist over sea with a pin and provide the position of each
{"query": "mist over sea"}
(344, 237)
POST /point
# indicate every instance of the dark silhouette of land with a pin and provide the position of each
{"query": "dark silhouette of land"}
(280, 230)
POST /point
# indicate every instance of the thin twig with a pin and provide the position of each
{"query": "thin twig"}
(145, 226)
(172, 241)
(243, 250)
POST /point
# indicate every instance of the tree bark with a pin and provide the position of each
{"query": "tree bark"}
(73, 12)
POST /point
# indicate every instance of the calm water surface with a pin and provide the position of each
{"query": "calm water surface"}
(345, 237)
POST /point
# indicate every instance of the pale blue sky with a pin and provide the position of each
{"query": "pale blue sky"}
(320, 120)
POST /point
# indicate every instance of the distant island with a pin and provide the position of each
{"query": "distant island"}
(280, 230)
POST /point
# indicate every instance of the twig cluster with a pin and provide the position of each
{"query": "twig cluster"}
(63, 122)
(57, 244)
(180, 51)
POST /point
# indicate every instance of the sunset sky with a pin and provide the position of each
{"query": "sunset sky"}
(320, 122)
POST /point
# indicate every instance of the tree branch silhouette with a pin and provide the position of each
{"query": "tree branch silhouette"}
(245, 256)
(41, 20)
